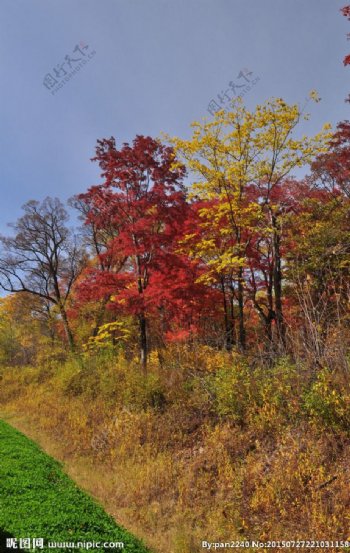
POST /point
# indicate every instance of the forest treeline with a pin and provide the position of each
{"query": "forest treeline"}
(245, 257)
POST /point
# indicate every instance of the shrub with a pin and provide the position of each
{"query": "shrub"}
(327, 404)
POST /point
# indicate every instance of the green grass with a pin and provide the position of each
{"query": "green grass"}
(38, 500)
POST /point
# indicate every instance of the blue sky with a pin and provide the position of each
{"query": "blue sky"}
(157, 65)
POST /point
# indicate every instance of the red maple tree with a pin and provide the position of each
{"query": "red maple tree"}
(141, 204)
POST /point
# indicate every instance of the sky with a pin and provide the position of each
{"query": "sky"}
(147, 66)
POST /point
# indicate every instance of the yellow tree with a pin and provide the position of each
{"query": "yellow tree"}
(26, 329)
(237, 160)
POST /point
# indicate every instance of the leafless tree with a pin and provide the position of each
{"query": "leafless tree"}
(43, 257)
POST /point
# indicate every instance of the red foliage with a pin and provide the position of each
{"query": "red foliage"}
(143, 199)
(333, 167)
(346, 12)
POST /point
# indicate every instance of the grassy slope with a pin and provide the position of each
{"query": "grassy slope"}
(38, 500)
(207, 446)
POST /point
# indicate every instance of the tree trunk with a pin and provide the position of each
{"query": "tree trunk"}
(228, 320)
(67, 329)
(100, 316)
(277, 282)
(241, 325)
(232, 321)
(143, 341)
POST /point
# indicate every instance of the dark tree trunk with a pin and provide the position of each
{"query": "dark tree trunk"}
(232, 321)
(228, 320)
(67, 329)
(277, 282)
(143, 341)
(100, 316)
(241, 325)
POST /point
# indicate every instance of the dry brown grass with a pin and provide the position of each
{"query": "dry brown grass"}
(187, 470)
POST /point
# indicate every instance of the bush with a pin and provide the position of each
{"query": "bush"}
(230, 390)
(327, 404)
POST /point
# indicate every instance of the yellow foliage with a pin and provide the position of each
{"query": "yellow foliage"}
(108, 335)
(227, 154)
